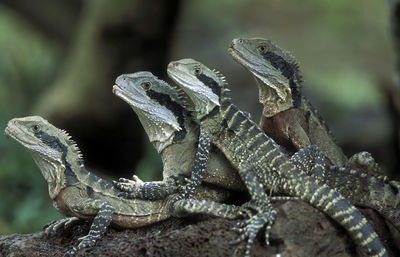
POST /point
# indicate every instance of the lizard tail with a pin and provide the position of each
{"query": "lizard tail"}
(342, 211)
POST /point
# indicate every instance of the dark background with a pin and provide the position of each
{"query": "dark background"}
(59, 59)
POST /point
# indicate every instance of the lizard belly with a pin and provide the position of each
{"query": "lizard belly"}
(129, 221)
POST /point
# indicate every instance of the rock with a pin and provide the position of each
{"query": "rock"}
(299, 230)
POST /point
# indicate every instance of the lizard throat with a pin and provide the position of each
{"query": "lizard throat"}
(289, 71)
(273, 104)
(175, 108)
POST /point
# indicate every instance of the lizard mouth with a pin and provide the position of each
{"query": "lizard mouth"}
(121, 93)
(236, 55)
(115, 89)
(11, 131)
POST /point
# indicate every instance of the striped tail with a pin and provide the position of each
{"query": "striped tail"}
(341, 210)
(183, 208)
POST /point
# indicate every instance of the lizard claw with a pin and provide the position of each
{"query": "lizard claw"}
(128, 185)
(72, 252)
(249, 228)
(58, 224)
(83, 238)
(237, 229)
(85, 241)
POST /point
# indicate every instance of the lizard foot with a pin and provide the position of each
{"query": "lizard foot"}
(250, 228)
(127, 185)
(86, 242)
(58, 224)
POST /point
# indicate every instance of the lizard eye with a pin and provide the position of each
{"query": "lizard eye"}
(262, 49)
(36, 128)
(196, 70)
(146, 85)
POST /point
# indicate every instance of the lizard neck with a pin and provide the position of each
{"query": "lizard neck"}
(268, 97)
(181, 152)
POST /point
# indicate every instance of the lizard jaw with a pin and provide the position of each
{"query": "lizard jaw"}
(158, 122)
(12, 131)
(202, 97)
(273, 92)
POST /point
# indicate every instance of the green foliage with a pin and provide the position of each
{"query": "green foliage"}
(26, 65)
(25, 205)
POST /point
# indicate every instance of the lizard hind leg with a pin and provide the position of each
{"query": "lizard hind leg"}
(250, 228)
(104, 212)
(311, 160)
(260, 203)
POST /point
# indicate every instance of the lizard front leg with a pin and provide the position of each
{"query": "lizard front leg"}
(261, 203)
(200, 162)
(154, 190)
(58, 224)
(103, 212)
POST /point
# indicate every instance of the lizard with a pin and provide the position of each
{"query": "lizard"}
(258, 159)
(288, 117)
(160, 110)
(81, 195)
(145, 93)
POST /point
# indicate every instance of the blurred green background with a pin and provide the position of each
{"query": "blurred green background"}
(59, 59)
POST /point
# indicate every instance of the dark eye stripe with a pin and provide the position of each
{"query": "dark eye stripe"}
(175, 108)
(209, 82)
(56, 144)
(287, 70)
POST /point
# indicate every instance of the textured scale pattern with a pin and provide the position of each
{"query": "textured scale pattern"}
(261, 162)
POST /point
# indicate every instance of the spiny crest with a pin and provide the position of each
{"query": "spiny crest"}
(182, 98)
(70, 143)
(288, 57)
(220, 76)
(163, 87)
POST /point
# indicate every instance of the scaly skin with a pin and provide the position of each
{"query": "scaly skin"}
(291, 121)
(80, 194)
(359, 188)
(288, 117)
(161, 112)
(259, 159)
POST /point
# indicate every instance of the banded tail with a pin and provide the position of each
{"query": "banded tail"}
(339, 208)
(296, 182)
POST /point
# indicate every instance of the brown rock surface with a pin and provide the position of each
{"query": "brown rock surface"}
(299, 230)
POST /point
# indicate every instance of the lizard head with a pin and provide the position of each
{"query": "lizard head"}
(158, 106)
(201, 84)
(275, 70)
(52, 149)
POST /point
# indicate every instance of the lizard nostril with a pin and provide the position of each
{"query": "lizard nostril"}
(172, 64)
